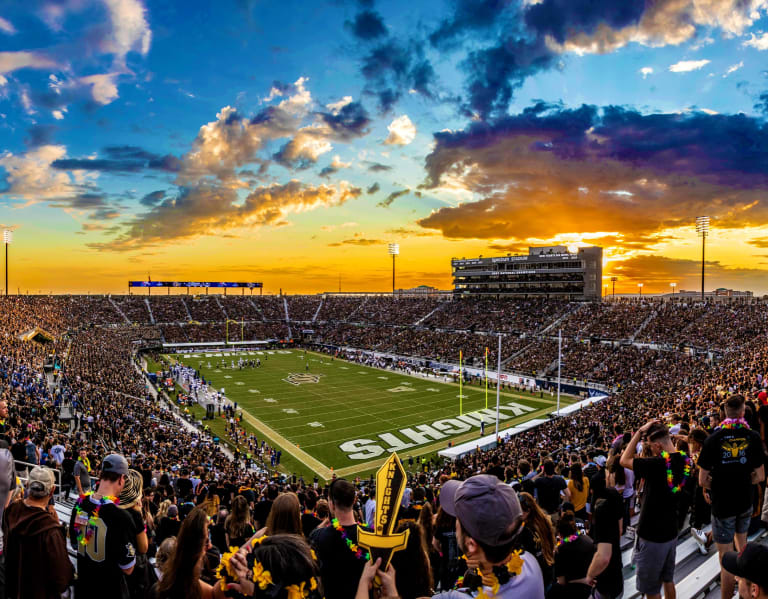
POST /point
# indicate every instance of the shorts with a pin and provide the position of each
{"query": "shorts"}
(724, 529)
(655, 565)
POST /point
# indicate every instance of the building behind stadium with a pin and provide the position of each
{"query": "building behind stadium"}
(550, 271)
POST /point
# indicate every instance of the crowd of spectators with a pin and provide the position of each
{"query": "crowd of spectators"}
(168, 491)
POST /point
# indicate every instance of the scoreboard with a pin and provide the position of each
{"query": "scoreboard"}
(217, 284)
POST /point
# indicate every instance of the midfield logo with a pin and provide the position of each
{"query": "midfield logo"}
(302, 378)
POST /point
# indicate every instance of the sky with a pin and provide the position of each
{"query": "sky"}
(290, 142)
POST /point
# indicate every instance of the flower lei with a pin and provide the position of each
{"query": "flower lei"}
(83, 522)
(670, 477)
(262, 577)
(352, 546)
(308, 513)
(570, 539)
(734, 423)
(500, 575)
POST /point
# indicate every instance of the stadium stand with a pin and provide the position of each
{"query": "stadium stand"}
(685, 365)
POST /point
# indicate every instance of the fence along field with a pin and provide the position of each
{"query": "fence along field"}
(329, 413)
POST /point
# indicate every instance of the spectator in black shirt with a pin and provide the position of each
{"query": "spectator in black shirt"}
(657, 528)
(548, 488)
(340, 566)
(605, 571)
(573, 557)
(104, 536)
(730, 463)
(184, 485)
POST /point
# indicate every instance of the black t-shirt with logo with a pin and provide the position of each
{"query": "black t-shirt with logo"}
(109, 550)
(731, 455)
(658, 516)
(607, 513)
(340, 568)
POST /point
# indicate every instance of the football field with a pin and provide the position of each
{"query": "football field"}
(334, 416)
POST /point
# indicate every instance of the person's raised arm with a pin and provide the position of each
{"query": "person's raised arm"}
(628, 457)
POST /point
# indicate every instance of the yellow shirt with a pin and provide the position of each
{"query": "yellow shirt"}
(579, 499)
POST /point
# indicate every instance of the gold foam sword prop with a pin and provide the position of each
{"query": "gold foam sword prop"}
(390, 485)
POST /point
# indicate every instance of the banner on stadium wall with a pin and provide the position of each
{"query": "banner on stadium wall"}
(512, 379)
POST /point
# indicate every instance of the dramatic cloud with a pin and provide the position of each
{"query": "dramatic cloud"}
(31, 177)
(684, 66)
(759, 43)
(209, 209)
(373, 189)
(401, 131)
(511, 41)
(126, 159)
(13, 61)
(387, 202)
(617, 170)
(232, 141)
(377, 167)
(367, 25)
(606, 25)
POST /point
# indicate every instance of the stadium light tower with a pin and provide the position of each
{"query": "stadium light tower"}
(613, 280)
(640, 289)
(702, 228)
(7, 239)
(673, 285)
(394, 250)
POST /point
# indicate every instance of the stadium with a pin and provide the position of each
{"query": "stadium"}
(310, 388)
(351, 299)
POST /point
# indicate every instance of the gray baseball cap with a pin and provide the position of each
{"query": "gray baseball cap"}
(116, 463)
(41, 480)
(485, 506)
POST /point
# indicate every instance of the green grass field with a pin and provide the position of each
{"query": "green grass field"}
(346, 417)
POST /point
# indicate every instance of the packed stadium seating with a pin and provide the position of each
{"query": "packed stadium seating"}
(661, 359)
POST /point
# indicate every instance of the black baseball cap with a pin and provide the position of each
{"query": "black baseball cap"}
(751, 563)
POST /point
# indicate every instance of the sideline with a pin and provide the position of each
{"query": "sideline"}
(288, 447)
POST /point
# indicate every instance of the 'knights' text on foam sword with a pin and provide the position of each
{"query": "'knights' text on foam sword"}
(390, 485)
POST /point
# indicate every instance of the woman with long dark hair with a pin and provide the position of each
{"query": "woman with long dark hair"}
(578, 487)
(285, 516)
(181, 577)
(537, 537)
(237, 526)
